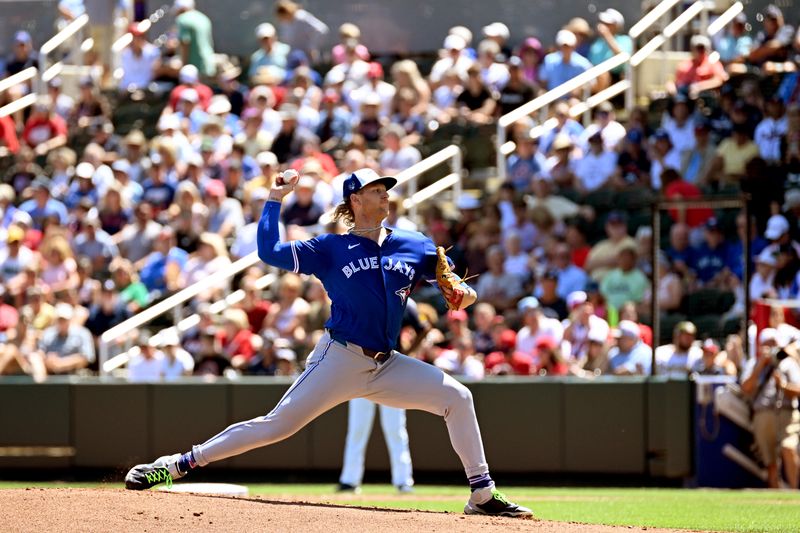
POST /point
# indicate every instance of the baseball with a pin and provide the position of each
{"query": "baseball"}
(287, 176)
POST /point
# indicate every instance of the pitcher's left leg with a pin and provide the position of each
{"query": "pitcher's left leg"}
(408, 383)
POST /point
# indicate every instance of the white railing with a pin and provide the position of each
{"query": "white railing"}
(136, 321)
(12, 81)
(451, 154)
(546, 99)
(54, 42)
(187, 323)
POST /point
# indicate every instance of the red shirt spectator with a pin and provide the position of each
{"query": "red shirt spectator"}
(507, 360)
(43, 126)
(700, 68)
(8, 135)
(548, 353)
(189, 78)
(676, 188)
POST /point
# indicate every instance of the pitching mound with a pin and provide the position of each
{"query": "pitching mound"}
(117, 510)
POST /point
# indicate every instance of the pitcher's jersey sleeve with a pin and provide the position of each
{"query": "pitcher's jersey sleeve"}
(307, 257)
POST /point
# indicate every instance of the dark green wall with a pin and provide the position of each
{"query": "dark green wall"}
(607, 426)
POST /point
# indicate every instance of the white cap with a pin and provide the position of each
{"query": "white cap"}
(497, 29)
(576, 298)
(769, 334)
(306, 182)
(84, 170)
(334, 76)
(170, 338)
(363, 177)
(286, 354)
(169, 122)
(628, 328)
(777, 225)
(188, 74)
(267, 159)
(566, 38)
(219, 105)
(454, 42)
(190, 95)
(612, 16)
(183, 4)
(64, 310)
(265, 30)
(22, 217)
(700, 40)
(461, 31)
(598, 333)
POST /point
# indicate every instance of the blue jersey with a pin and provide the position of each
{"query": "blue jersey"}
(368, 284)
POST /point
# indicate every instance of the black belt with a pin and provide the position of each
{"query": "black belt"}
(378, 357)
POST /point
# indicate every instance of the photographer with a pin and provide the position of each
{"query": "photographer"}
(772, 380)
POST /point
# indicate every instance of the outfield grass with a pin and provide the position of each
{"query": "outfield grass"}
(709, 510)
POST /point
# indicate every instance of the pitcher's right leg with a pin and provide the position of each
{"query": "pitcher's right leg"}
(332, 376)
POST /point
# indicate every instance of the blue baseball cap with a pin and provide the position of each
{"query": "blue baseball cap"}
(22, 37)
(363, 177)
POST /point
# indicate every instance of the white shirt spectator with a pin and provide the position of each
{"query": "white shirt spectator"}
(682, 137)
(578, 342)
(612, 134)
(548, 327)
(405, 157)
(594, 170)
(181, 365)
(385, 92)
(137, 71)
(518, 265)
(11, 266)
(671, 160)
(673, 363)
(768, 136)
(446, 63)
(354, 74)
(230, 211)
(143, 369)
(471, 367)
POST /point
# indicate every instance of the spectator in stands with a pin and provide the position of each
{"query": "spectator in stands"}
(770, 134)
(132, 292)
(611, 41)
(595, 362)
(535, 325)
(107, 311)
(517, 90)
(211, 257)
(702, 72)
(406, 76)
(677, 359)
(679, 123)
(508, 360)
(711, 261)
(22, 57)
(454, 59)
(160, 271)
(605, 123)
(235, 337)
(41, 207)
(733, 44)
(596, 167)
(630, 356)
(531, 54)
(526, 162)
(696, 162)
(626, 283)
(195, 36)
(581, 321)
(498, 33)
(14, 255)
(300, 29)
(189, 79)
(476, 104)
(263, 361)
(663, 156)
(547, 293)
(44, 129)
(135, 241)
(550, 358)
(210, 361)
(779, 234)
(786, 276)
(303, 210)
(762, 282)
(225, 215)
(676, 188)
(65, 347)
(604, 255)
(177, 362)
(95, 244)
(733, 154)
(773, 43)
(494, 74)
(496, 286)
(397, 155)
(63, 105)
(485, 318)
(670, 287)
(773, 382)
(561, 66)
(348, 31)
(713, 363)
(58, 268)
(460, 360)
(288, 314)
(139, 61)
(564, 126)
(272, 54)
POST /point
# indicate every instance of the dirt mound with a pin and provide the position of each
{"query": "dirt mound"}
(117, 510)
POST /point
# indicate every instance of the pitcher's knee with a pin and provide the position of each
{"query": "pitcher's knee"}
(458, 397)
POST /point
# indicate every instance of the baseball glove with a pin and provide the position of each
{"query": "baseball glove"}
(452, 286)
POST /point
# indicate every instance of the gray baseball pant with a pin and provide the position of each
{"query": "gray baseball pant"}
(336, 374)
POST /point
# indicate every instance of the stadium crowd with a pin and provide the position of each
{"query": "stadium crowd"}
(99, 219)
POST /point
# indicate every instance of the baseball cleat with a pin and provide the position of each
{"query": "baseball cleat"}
(405, 489)
(346, 487)
(162, 470)
(492, 502)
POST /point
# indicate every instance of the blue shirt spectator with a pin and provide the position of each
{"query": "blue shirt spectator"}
(712, 256)
(560, 67)
(41, 207)
(631, 355)
(273, 54)
(155, 267)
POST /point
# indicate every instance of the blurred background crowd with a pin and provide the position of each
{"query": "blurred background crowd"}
(124, 186)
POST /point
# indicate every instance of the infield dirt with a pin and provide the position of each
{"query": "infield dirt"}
(90, 510)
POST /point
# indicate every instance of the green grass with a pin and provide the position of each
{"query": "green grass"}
(709, 510)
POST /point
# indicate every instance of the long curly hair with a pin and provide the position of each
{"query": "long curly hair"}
(344, 213)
